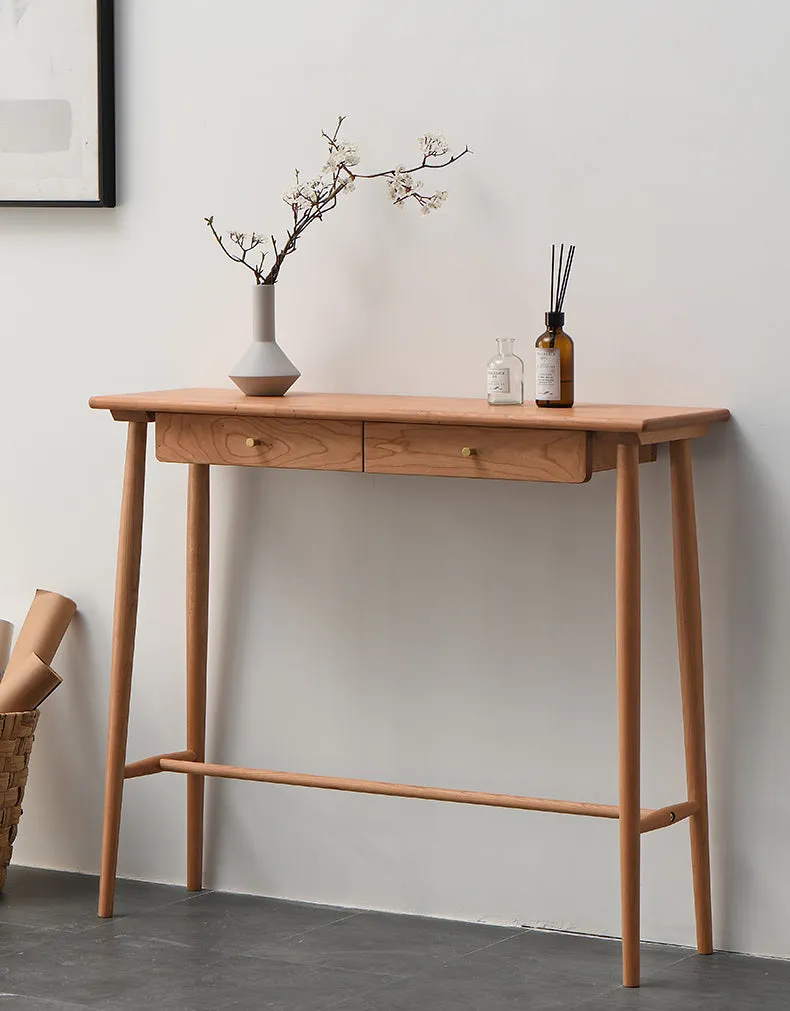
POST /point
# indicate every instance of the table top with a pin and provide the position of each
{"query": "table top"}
(416, 410)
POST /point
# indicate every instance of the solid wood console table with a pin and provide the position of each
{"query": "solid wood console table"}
(432, 436)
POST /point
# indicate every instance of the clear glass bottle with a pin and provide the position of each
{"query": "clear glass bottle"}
(505, 375)
(554, 364)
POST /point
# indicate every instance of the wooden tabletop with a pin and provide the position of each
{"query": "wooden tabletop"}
(416, 410)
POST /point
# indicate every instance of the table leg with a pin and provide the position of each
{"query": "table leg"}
(628, 580)
(197, 648)
(689, 621)
(127, 581)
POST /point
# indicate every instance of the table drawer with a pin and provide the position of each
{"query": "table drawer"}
(516, 454)
(259, 442)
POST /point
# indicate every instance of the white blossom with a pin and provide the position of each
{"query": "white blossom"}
(259, 239)
(400, 184)
(305, 194)
(342, 153)
(433, 202)
(313, 190)
(433, 145)
(347, 184)
(292, 196)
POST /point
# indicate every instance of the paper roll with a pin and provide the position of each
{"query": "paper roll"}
(6, 634)
(27, 685)
(45, 625)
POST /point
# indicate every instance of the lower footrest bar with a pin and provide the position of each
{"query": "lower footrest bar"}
(183, 761)
(664, 816)
(150, 766)
(391, 789)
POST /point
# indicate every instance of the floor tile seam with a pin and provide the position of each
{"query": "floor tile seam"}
(689, 951)
(96, 923)
(654, 970)
(97, 931)
(308, 930)
(644, 976)
(389, 976)
(47, 1000)
(604, 995)
(97, 920)
(118, 932)
(645, 944)
(652, 973)
(210, 955)
(175, 902)
(100, 921)
(492, 944)
(670, 965)
(318, 926)
(369, 994)
(452, 959)
(70, 931)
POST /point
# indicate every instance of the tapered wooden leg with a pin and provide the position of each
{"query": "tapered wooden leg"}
(127, 580)
(628, 579)
(689, 618)
(197, 647)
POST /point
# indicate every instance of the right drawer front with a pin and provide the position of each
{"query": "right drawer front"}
(466, 451)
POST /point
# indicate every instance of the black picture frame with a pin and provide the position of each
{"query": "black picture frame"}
(106, 182)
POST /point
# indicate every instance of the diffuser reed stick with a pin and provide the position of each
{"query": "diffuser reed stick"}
(554, 354)
(568, 265)
(557, 300)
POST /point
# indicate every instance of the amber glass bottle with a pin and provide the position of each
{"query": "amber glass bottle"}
(554, 364)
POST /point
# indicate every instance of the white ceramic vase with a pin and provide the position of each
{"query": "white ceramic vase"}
(265, 370)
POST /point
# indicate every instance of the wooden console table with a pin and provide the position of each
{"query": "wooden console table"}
(416, 435)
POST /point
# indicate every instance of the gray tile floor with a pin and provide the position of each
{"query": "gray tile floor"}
(167, 950)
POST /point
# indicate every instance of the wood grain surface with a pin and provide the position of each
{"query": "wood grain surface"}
(604, 453)
(391, 789)
(689, 622)
(197, 584)
(276, 442)
(422, 410)
(467, 451)
(124, 627)
(628, 661)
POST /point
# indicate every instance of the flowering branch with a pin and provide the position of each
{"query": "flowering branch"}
(310, 201)
(245, 244)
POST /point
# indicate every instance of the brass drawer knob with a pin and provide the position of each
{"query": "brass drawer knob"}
(253, 442)
(468, 451)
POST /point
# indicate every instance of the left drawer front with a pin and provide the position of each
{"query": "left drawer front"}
(276, 442)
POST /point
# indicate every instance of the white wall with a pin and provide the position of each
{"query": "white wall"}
(455, 633)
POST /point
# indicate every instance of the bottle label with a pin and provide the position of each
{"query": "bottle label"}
(498, 380)
(547, 374)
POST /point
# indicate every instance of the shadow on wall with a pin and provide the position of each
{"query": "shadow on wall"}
(743, 759)
(69, 754)
(248, 501)
(416, 595)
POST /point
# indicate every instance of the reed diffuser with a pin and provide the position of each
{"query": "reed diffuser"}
(554, 348)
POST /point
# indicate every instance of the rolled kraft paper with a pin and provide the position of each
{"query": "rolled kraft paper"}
(45, 625)
(27, 685)
(6, 634)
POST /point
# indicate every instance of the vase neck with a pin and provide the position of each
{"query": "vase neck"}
(263, 313)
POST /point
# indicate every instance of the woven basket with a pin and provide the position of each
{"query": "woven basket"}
(16, 740)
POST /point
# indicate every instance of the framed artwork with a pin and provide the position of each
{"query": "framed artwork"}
(57, 103)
